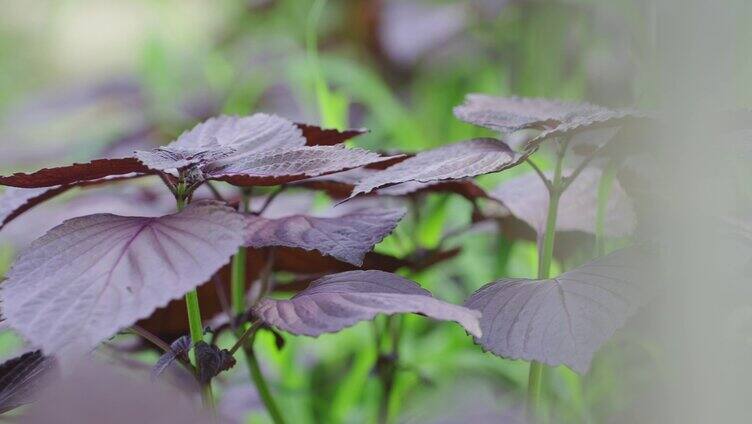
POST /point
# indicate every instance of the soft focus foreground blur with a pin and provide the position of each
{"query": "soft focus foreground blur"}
(90, 79)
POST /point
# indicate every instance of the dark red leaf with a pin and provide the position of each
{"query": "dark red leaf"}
(317, 136)
(76, 174)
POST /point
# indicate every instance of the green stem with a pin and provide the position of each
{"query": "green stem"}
(388, 375)
(238, 293)
(261, 385)
(194, 314)
(545, 256)
(535, 378)
(238, 273)
(604, 192)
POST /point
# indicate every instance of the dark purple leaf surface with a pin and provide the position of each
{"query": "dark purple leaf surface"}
(232, 138)
(341, 300)
(552, 117)
(222, 137)
(230, 145)
(22, 377)
(562, 320)
(526, 197)
(91, 276)
(168, 158)
(255, 133)
(94, 394)
(451, 162)
(278, 167)
(348, 237)
(76, 173)
(178, 348)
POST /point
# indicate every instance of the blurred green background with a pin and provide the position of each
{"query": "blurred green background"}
(85, 78)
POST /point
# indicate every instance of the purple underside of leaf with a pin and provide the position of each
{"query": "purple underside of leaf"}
(338, 301)
(15, 201)
(563, 320)
(91, 276)
(526, 197)
(273, 167)
(97, 393)
(347, 238)
(452, 162)
(554, 118)
(75, 174)
(22, 377)
(340, 184)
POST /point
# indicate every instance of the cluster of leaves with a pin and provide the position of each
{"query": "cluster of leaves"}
(93, 276)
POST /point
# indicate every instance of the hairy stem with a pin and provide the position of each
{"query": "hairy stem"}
(604, 192)
(245, 333)
(545, 256)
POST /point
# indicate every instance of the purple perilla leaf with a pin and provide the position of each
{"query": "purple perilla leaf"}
(95, 393)
(75, 174)
(526, 197)
(341, 300)
(554, 118)
(15, 201)
(340, 185)
(451, 162)
(279, 167)
(22, 377)
(347, 238)
(91, 276)
(563, 320)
